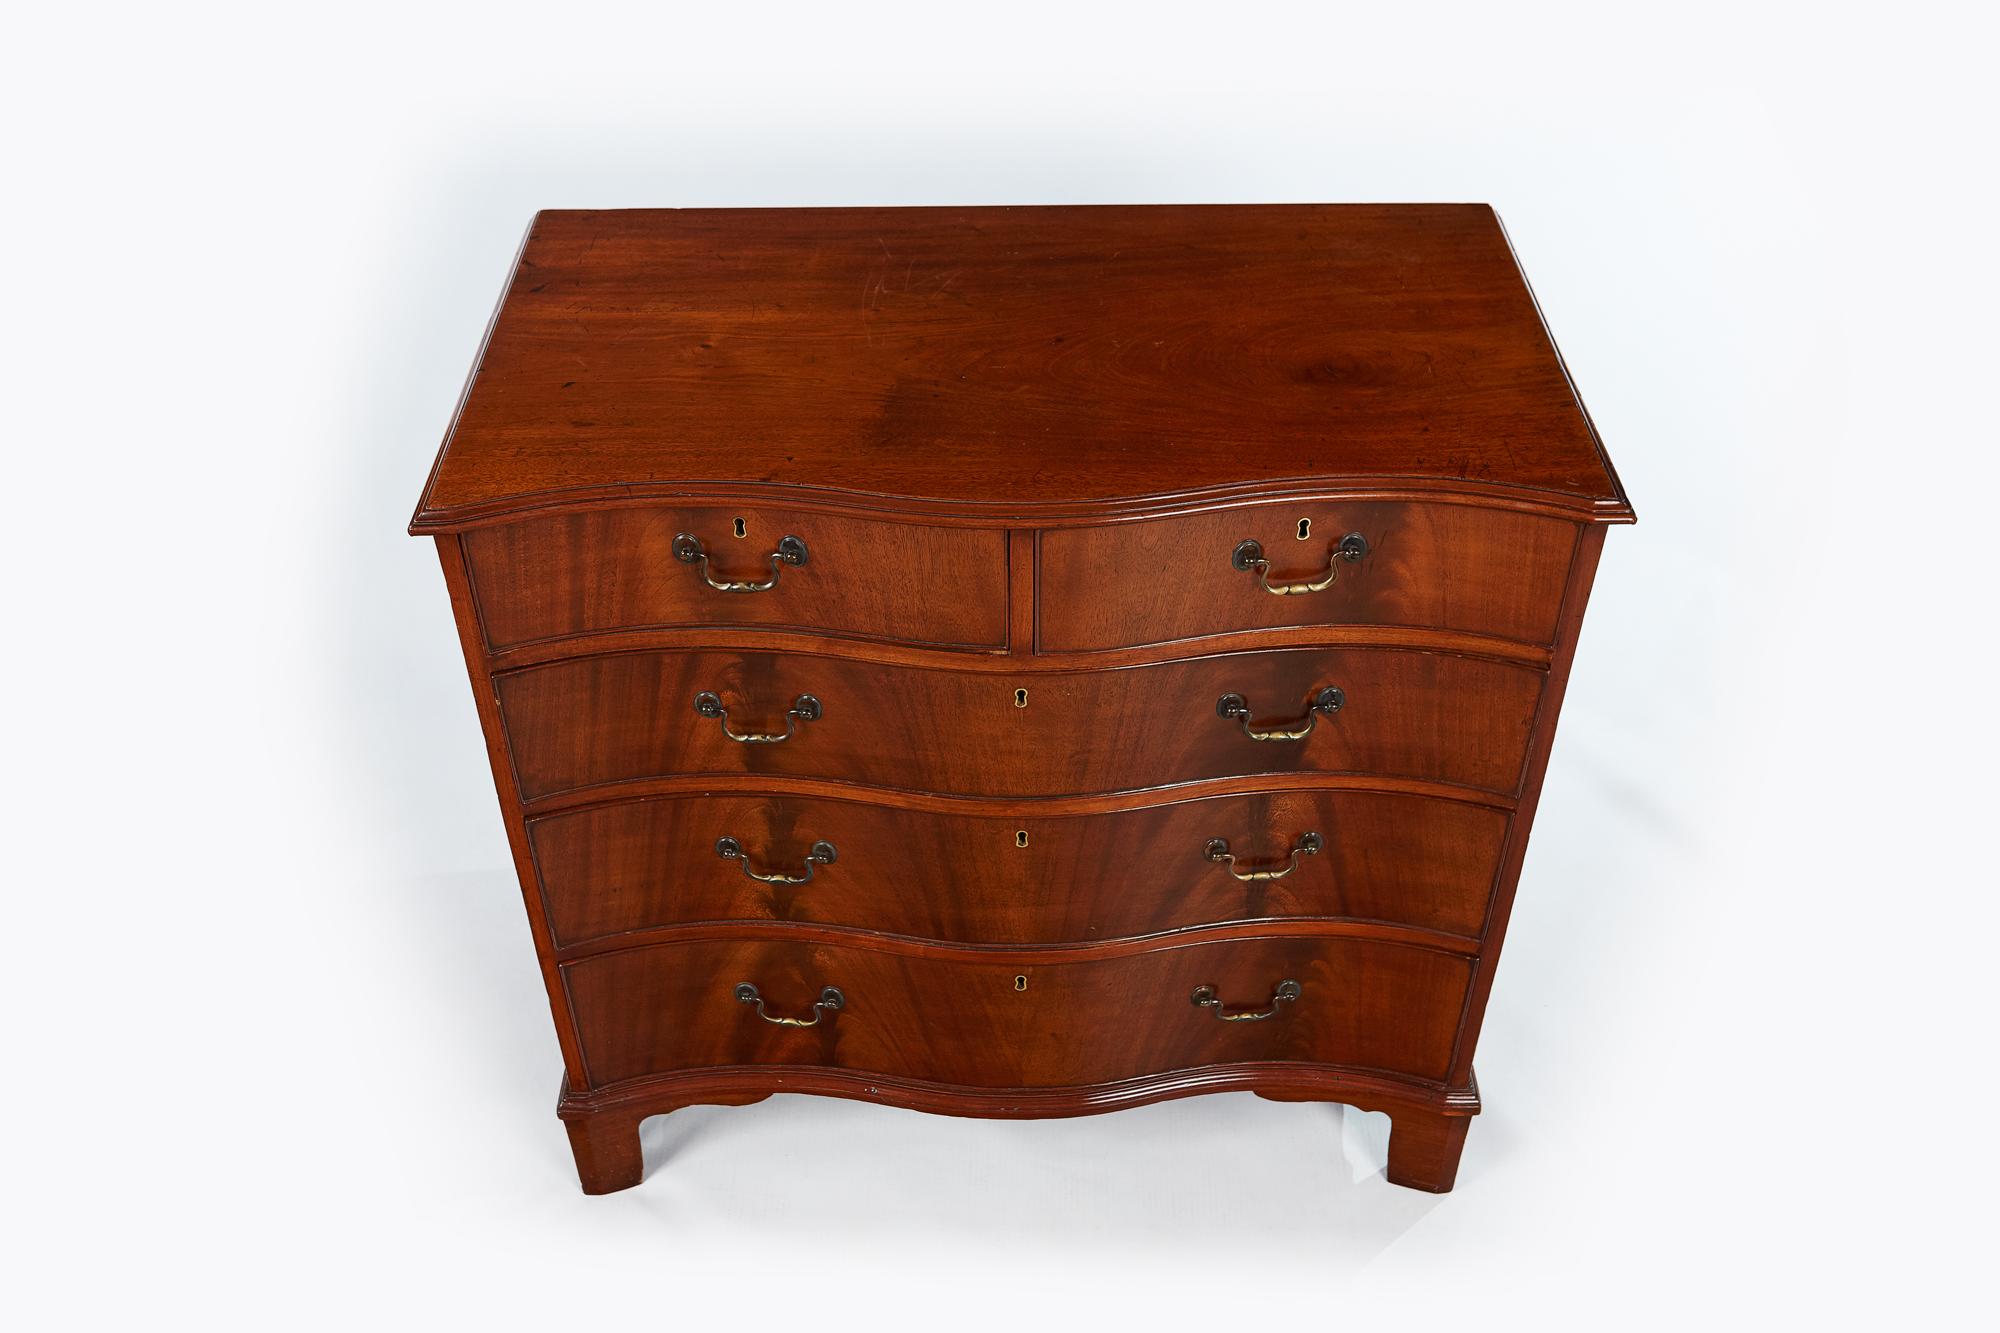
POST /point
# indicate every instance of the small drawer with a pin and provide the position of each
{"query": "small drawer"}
(1019, 878)
(1417, 566)
(585, 722)
(654, 568)
(972, 1022)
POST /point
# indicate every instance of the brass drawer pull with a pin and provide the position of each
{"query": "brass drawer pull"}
(1217, 850)
(830, 999)
(805, 708)
(1249, 555)
(821, 854)
(1285, 993)
(689, 551)
(1327, 702)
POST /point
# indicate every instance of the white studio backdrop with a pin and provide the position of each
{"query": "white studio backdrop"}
(280, 1055)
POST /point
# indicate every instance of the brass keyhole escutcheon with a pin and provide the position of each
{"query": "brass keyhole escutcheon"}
(1305, 529)
(1020, 698)
(1021, 982)
(742, 528)
(1020, 837)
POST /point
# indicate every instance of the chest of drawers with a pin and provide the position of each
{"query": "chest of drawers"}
(1019, 662)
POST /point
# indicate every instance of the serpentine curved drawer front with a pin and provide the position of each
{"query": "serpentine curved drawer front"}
(652, 568)
(1426, 566)
(589, 721)
(1021, 876)
(958, 1020)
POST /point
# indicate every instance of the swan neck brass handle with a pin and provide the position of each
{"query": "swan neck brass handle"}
(821, 854)
(1249, 555)
(830, 1000)
(805, 708)
(1284, 993)
(1217, 850)
(689, 551)
(1325, 704)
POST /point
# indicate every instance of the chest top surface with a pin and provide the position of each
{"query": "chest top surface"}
(1017, 363)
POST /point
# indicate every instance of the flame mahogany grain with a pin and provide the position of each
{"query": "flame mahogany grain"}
(1429, 566)
(631, 865)
(963, 1021)
(591, 721)
(576, 574)
(1020, 445)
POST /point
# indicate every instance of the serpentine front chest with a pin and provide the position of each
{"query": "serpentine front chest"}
(1019, 661)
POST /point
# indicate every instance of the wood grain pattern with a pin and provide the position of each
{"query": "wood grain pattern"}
(1432, 566)
(1018, 878)
(604, 1125)
(451, 558)
(600, 720)
(963, 1021)
(1576, 595)
(1011, 360)
(1019, 661)
(1020, 446)
(590, 573)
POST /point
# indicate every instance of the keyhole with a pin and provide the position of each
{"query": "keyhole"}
(1020, 837)
(1305, 529)
(743, 529)
(1020, 698)
(1021, 982)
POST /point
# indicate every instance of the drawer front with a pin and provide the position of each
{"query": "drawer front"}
(1426, 566)
(971, 1023)
(1019, 879)
(622, 569)
(586, 721)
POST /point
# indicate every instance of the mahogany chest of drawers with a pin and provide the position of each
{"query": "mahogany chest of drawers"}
(1019, 662)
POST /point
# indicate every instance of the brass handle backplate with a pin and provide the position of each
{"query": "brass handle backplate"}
(805, 708)
(1249, 555)
(821, 854)
(689, 551)
(1284, 993)
(1217, 850)
(1325, 704)
(830, 999)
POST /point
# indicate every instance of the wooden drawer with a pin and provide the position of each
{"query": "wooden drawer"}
(586, 721)
(619, 569)
(1025, 878)
(968, 1021)
(1427, 566)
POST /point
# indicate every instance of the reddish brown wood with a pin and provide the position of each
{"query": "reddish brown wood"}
(591, 721)
(604, 1139)
(1388, 857)
(1288, 1081)
(964, 1021)
(1020, 468)
(577, 574)
(1424, 1147)
(1429, 566)
(1021, 661)
(1576, 595)
(606, 1147)
(1021, 610)
(451, 556)
(982, 359)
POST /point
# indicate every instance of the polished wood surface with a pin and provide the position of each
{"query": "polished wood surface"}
(1428, 566)
(592, 721)
(1019, 447)
(1016, 360)
(964, 1021)
(590, 573)
(1019, 877)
